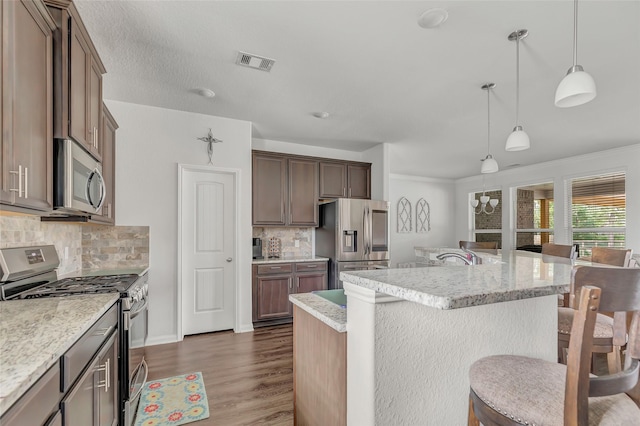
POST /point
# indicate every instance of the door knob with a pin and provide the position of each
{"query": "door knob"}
(229, 259)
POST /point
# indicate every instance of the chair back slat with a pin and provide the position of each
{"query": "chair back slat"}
(560, 250)
(611, 256)
(620, 286)
(483, 245)
(576, 397)
(612, 384)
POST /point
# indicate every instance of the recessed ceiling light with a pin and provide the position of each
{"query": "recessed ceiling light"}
(205, 93)
(433, 18)
(322, 114)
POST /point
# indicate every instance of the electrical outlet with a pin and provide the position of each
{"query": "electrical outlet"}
(296, 243)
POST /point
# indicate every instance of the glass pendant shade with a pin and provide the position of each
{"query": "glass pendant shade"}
(518, 140)
(576, 88)
(489, 165)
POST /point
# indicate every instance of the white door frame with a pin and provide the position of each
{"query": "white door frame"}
(182, 168)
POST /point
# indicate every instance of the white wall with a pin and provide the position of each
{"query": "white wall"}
(625, 159)
(299, 149)
(150, 144)
(378, 156)
(440, 194)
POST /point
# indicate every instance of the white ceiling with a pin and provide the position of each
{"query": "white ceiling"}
(381, 76)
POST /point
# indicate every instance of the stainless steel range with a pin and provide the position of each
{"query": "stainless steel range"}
(30, 272)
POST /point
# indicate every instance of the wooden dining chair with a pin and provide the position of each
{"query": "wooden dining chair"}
(474, 245)
(611, 256)
(517, 390)
(610, 332)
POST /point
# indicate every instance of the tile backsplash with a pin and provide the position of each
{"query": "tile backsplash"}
(80, 246)
(287, 237)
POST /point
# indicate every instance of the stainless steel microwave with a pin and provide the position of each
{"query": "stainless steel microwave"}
(78, 184)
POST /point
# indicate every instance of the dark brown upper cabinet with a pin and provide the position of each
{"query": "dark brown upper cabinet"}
(285, 190)
(345, 180)
(303, 192)
(27, 98)
(108, 151)
(77, 76)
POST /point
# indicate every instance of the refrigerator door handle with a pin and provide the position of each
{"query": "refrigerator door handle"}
(365, 229)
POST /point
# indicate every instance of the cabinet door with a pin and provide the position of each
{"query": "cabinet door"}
(95, 109)
(306, 283)
(108, 147)
(359, 181)
(333, 180)
(269, 190)
(106, 385)
(273, 297)
(27, 102)
(79, 88)
(303, 192)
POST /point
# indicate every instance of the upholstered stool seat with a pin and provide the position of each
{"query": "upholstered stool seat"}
(531, 392)
(604, 324)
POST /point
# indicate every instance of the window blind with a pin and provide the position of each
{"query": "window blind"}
(598, 211)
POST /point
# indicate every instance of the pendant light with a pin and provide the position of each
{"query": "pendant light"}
(489, 165)
(518, 140)
(577, 87)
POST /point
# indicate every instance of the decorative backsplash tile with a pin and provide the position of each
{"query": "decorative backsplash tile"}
(288, 237)
(112, 247)
(80, 246)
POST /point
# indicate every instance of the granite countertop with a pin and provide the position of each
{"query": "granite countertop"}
(327, 312)
(291, 259)
(504, 276)
(35, 333)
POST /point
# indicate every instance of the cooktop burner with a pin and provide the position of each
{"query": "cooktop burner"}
(82, 285)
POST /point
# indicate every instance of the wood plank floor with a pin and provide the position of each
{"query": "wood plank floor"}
(248, 376)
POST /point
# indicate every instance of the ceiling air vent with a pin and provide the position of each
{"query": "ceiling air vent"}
(254, 61)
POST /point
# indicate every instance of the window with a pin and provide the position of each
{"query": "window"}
(488, 226)
(598, 212)
(534, 216)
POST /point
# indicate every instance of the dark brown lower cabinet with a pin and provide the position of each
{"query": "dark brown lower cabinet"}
(273, 282)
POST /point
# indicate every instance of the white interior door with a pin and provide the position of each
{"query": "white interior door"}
(208, 232)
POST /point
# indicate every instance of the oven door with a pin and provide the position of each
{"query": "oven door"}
(135, 339)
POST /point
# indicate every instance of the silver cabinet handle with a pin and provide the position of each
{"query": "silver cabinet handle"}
(19, 173)
(26, 182)
(229, 259)
(103, 331)
(276, 267)
(107, 375)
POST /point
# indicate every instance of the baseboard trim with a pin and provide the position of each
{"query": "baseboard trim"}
(243, 328)
(161, 340)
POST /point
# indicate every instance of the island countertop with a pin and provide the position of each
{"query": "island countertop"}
(327, 312)
(504, 276)
(35, 333)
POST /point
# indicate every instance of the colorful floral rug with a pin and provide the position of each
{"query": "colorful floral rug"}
(173, 401)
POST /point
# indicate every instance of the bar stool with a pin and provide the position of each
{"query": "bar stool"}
(516, 390)
(610, 333)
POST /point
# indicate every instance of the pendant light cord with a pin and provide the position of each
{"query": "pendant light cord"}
(488, 122)
(517, 79)
(575, 32)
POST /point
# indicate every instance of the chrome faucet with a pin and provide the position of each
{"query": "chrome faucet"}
(470, 258)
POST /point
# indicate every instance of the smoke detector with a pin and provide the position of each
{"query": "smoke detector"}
(255, 61)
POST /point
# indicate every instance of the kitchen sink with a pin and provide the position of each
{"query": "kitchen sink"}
(336, 296)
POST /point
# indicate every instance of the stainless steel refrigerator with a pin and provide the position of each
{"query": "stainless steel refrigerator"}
(354, 235)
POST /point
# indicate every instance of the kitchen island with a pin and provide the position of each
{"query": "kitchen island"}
(413, 333)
